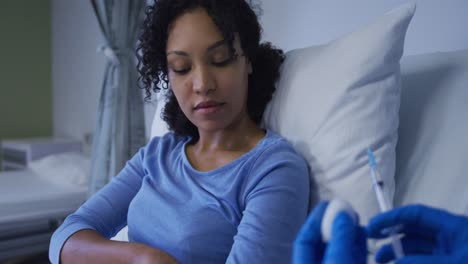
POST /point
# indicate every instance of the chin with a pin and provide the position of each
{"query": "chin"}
(212, 125)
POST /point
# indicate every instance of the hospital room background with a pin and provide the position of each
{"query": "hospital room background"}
(51, 76)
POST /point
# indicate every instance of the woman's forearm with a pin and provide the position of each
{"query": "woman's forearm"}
(88, 246)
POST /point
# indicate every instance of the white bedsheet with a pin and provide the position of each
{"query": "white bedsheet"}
(26, 197)
(31, 207)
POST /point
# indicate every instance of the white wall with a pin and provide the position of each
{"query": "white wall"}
(77, 70)
(438, 25)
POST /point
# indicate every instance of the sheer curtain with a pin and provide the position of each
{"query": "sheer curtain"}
(120, 128)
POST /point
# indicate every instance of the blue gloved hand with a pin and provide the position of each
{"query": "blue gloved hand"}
(430, 235)
(347, 244)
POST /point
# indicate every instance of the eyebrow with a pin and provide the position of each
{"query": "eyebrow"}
(210, 48)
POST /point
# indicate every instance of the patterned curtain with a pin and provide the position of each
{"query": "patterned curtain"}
(120, 128)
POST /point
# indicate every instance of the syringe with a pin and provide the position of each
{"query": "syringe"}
(383, 201)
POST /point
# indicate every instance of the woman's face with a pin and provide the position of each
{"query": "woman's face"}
(209, 82)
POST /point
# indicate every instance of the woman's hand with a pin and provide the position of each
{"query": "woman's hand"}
(87, 246)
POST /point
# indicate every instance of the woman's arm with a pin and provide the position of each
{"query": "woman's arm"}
(83, 237)
(105, 212)
(87, 246)
(276, 205)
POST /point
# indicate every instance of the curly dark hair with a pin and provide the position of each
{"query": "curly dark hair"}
(230, 17)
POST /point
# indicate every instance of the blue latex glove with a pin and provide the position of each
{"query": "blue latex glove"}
(347, 244)
(431, 235)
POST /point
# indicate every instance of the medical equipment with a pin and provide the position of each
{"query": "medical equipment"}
(334, 207)
(436, 236)
(384, 203)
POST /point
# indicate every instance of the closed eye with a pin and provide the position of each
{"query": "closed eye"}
(226, 62)
(182, 71)
(223, 63)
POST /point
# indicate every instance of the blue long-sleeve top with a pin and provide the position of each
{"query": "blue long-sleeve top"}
(248, 211)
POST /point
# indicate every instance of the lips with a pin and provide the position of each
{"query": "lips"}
(207, 104)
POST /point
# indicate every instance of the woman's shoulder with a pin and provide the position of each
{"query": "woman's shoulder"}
(167, 141)
(274, 149)
(275, 143)
(278, 165)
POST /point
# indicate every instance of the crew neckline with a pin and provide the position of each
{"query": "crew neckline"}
(229, 165)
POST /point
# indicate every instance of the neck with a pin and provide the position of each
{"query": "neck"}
(241, 137)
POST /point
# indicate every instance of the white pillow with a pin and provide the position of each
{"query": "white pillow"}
(67, 168)
(336, 100)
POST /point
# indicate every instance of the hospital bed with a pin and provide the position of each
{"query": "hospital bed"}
(31, 208)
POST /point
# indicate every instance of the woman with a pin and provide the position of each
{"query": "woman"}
(217, 188)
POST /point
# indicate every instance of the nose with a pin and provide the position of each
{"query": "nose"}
(202, 81)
